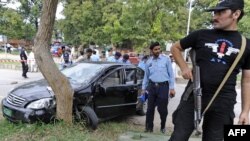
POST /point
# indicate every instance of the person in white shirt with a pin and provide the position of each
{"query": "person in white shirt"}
(94, 56)
(32, 62)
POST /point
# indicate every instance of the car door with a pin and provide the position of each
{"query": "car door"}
(139, 77)
(111, 93)
(131, 83)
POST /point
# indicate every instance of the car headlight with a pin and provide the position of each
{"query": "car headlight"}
(42, 103)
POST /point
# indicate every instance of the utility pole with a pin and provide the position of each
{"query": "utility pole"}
(188, 25)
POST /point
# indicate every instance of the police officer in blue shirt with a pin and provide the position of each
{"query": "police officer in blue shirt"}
(159, 82)
(143, 61)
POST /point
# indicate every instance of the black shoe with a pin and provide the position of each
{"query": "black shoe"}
(163, 131)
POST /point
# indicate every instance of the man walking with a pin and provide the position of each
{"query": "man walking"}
(23, 57)
(214, 56)
(159, 81)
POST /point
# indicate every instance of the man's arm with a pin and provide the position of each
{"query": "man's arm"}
(176, 51)
(245, 97)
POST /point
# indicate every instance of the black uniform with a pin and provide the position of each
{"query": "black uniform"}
(216, 50)
(24, 63)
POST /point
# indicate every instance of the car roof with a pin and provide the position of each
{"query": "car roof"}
(108, 64)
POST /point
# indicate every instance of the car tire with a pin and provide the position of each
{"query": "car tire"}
(90, 117)
(141, 108)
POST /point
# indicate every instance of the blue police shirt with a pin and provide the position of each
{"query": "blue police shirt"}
(158, 70)
(142, 64)
(126, 62)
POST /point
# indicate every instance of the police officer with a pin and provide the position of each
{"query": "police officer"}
(25, 67)
(159, 81)
(125, 59)
(65, 55)
(65, 58)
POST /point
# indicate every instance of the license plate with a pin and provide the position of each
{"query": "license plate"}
(7, 111)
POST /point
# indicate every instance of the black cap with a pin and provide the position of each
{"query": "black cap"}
(228, 4)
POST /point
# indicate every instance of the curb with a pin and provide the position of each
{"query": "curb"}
(11, 66)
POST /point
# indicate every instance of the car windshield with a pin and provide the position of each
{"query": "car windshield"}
(83, 73)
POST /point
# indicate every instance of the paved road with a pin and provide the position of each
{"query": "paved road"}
(12, 78)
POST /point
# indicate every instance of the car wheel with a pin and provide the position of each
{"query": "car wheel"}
(89, 117)
(141, 107)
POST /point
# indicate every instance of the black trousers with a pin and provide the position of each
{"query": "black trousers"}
(158, 96)
(219, 114)
(25, 69)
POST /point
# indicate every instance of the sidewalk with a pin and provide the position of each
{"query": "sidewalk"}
(138, 136)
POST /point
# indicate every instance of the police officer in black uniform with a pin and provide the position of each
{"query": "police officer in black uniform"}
(25, 67)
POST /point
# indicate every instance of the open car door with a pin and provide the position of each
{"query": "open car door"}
(115, 96)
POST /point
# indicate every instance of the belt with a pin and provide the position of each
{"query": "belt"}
(158, 83)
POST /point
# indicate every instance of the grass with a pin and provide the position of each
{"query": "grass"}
(107, 131)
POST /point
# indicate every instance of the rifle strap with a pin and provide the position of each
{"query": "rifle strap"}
(242, 49)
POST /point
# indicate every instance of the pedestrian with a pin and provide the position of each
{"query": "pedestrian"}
(110, 56)
(66, 59)
(80, 57)
(143, 61)
(8, 48)
(25, 67)
(125, 59)
(89, 52)
(117, 57)
(159, 82)
(216, 50)
(95, 57)
(32, 62)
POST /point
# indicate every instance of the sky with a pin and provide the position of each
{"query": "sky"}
(58, 11)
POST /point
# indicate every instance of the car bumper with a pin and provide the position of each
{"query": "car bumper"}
(19, 114)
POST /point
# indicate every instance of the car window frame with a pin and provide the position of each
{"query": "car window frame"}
(108, 74)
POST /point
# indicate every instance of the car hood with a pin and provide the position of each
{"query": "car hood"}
(36, 90)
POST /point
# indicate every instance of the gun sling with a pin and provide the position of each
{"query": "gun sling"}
(189, 89)
(242, 49)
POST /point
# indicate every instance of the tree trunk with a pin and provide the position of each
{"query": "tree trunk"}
(58, 82)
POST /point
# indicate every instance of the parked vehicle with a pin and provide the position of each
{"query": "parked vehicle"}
(102, 91)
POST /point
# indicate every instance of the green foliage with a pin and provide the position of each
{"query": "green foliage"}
(11, 23)
(31, 11)
(244, 24)
(119, 21)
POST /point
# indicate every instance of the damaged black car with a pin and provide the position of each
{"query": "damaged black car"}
(101, 91)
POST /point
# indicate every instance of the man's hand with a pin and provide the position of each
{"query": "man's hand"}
(244, 118)
(143, 92)
(187, 73)
(171, 93)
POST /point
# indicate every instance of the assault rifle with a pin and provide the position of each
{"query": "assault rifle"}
(196, 92)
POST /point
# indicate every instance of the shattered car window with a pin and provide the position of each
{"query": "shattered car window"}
(83, 73)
